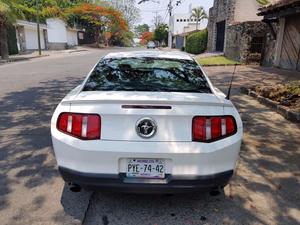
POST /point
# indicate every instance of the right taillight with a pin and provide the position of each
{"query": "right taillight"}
(80, 125)
(212, 128)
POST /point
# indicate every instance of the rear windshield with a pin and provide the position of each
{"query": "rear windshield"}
(147, 74)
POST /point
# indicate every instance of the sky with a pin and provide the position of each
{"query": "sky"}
(148, 9)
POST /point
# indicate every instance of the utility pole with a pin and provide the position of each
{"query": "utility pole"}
(38, 26)
(156, 19)
(170, 7)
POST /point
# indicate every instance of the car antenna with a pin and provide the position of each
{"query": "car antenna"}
(229, 90)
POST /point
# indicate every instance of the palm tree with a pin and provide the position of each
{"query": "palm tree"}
(199, 14)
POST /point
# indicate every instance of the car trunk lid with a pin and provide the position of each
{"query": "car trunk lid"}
(171, 111)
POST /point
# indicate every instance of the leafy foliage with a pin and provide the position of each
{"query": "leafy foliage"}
(146, 37)
(196, 43)
(161, 33)
(98, 18)
(141, 29)
(263, 2)
(198, 14)
(12, 40)
(128, 8)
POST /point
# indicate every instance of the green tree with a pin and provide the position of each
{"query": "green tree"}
(263, 2)
(105, 22)
(196, 43)
(198, 14)
(161, 34)
(9, 12)
(142, 28)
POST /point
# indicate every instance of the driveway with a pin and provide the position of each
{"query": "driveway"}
(264, 190)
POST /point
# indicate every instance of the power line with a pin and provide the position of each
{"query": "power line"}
(153, 10)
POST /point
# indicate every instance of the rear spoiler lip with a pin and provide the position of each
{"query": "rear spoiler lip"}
(148, 102)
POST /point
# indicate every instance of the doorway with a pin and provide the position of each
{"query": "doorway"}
(220, 36)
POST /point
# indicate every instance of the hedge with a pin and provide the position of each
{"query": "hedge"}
(12, 40)
(196, 43)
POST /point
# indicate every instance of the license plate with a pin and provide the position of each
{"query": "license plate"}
(146, 168)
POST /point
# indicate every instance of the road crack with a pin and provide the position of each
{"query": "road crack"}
(87, 208)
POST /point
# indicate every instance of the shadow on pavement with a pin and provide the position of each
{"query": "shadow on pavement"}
(26, 158)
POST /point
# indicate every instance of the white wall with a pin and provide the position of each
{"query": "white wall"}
(180, 21)
(72, 37)
(246, 10)
(57, 31)
(32, 39)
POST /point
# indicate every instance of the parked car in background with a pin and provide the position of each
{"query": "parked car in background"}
(151, 44)
(147, 121)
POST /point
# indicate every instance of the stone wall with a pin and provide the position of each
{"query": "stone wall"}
(21, 38)
(221, 10)
(239, 38)
(56, 46)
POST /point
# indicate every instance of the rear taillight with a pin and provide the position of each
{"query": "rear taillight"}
(212, 128)
(82, 126)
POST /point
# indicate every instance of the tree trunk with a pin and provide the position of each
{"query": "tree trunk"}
(3, 41)
(97, 35)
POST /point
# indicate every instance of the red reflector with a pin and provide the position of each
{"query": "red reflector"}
(230, 125)
(76, 124)
(62, 122)
(216, 130)
(199, 128)
(93, 127)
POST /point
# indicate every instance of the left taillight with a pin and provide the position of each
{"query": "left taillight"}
(80, 125)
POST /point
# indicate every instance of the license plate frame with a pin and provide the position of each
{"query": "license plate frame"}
(145, 168)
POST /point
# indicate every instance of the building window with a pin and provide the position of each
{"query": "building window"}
(177, 20)
(180, 20)
(256, 44)
(188, 20)
(184, 20)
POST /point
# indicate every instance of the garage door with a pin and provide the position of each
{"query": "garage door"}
(290, 52)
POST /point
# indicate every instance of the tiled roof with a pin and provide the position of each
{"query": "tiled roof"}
(278, 5)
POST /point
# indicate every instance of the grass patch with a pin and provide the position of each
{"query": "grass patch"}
(216, 60)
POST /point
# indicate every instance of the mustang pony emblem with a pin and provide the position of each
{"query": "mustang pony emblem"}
(146, 127)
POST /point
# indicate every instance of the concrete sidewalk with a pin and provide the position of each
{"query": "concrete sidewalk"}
(35, 54)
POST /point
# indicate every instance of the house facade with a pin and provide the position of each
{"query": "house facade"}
(27, 38)
(235, 29)
(182, 25)
(54, 35)
(282, 44)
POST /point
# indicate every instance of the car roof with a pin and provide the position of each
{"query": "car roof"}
(150, 54)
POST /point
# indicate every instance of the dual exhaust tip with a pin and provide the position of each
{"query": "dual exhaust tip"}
(74, 187)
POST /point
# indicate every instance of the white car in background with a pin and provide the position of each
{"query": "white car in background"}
(151, 44)
(146, 121)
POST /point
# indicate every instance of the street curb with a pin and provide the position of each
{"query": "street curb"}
(282, 110)
(210, 65)
(2, 62)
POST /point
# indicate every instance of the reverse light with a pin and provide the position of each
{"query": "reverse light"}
(213, 128)
(80, 125)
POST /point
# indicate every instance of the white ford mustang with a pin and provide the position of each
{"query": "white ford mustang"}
(147, 121)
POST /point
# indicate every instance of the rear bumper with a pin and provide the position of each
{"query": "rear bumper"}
(119, 182)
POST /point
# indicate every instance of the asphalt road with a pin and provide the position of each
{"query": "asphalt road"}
(263, 191)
